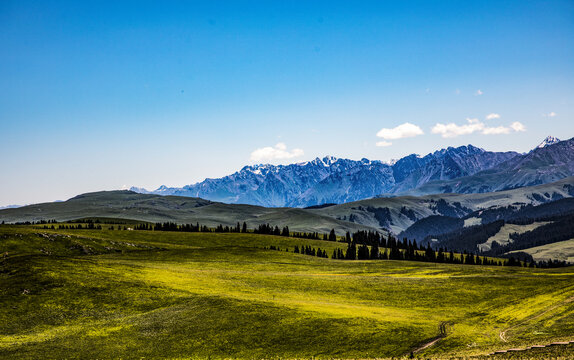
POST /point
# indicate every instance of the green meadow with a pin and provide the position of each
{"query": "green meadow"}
(108, 294)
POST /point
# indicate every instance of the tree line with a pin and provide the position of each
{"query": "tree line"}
(391, 249)
(361, 245)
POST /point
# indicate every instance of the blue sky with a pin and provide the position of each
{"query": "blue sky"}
(98, 95)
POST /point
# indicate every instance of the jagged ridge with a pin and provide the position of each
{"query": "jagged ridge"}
(336, 180)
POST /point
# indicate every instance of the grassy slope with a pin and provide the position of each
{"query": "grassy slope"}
(562, 250)
(156, 208)
(503, 236)
(170, 295)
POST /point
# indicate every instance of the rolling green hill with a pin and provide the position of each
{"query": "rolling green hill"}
(81, 294)
(156, 208)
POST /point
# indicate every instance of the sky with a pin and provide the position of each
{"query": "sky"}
(103, 95)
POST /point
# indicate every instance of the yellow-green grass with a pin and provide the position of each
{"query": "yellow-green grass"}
(134, 294)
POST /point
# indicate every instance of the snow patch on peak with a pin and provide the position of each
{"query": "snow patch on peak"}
(329, 160)
(550, 140)
(162, 189)
(139, 190)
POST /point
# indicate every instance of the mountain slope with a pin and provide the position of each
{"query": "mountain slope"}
(542, 165)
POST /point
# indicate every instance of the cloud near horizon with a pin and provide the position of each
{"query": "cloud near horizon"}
(492, 116)
(550, 114)
(402, 131)
(383, 143)
(277, 152)
(475, 126)
(517, 126)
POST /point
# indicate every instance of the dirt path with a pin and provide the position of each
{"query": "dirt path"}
(442, 334)
(502, 334)
(504, 338)
(443, 326)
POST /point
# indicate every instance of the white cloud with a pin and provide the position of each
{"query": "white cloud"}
(492, 116)
(278, 152)
(478, 92)
(405, 130)
(384, 143)
(517, 126)
(550, 114)
(474, 126)
(495, 130)
(454, 130)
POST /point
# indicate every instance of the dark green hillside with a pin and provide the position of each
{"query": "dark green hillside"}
(547, 211)
(451, 232)
(559, 230)
(432, 225)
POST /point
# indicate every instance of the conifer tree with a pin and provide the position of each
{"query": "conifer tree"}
(332, 236)
(351, 253)
(375, 252)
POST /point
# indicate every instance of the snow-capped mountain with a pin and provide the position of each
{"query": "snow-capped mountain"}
(335, 180)
(542, 165)
(550, 140)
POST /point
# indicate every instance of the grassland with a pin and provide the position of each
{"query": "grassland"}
(81, 294)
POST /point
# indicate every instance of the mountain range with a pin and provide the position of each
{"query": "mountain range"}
(394, 214)
(465, 169)
(464, 198)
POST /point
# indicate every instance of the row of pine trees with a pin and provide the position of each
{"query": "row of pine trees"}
(361, 245)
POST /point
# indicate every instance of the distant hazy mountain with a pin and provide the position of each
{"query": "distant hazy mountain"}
(10, 207)
(333, 180)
